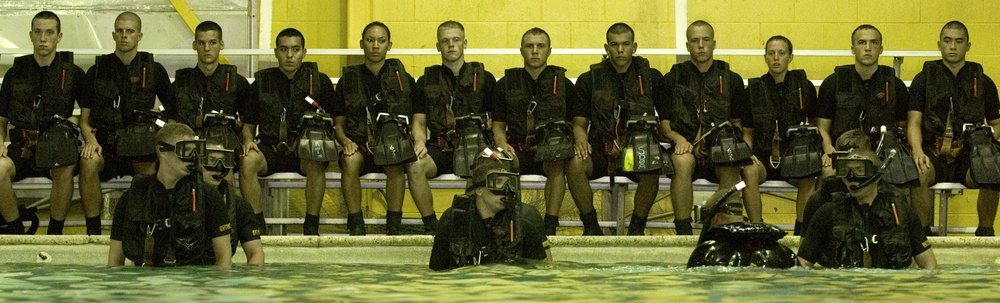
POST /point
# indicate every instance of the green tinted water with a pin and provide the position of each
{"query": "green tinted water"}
(559, 281)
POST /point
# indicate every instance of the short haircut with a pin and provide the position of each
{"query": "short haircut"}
(290, 32)
(130, 16)
(388, 34)
(619, 28)
(701, 23)
(48, 15)
(537, 31)
(955, 24)
(779, 38)
(864, 27)
(451, 24)
(211, 26)
(480, 171)
(173, 132)
(853, 139)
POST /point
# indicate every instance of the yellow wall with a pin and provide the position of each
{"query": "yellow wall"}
(739, 24)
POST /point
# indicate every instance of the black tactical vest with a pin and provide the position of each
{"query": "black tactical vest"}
(393, 97)
(945, 92)
(775, 110)
(117, 95)
(615, 98)
(287, 103)
(465, 96)
(550, 98)
(862, 108)
(854, 223)
(37, 97)
(186, 234)
(213, 93)
(700, 99)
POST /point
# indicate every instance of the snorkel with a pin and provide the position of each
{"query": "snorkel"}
(865, 181)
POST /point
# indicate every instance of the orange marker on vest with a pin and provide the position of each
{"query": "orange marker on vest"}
(641, 90)
(801, 105)
(62, 84)
(895, 214)
(194, 201)
(975, 87)
(886, 92)
(143, 78)
(399, 80)
(555, 82)
(720, 85)
(475, 82)
(227, 82)
(310, 84)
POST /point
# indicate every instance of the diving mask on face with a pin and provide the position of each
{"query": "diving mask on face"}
(854, 166)
(186, 150)
(503, 183)
(219, 160)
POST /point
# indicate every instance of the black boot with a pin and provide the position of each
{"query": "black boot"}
(551, 222)
(356, 224)
(393, 219)
(798, 228)
(683, 227)
(928, 232)
(590, 225)
(637, 226)
(984, 232)
(311, 226)
(56, 227)
(94, 226)
(430, 224)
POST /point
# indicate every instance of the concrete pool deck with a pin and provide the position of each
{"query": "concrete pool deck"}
(93, 250)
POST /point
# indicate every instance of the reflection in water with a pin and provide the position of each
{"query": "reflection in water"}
(559, 281)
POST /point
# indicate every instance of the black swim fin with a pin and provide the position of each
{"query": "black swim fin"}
(472, 140)
(902, 171)
(984, 155)
(803, 157)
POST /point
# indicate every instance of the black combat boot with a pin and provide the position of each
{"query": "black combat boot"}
(637, 226)
(590, 225)
(551, 222)
(683, 227)
(56, 227)
(311, 226)
(356, 224)
(798, 228)
(94, 226)
(984, 232)
(393, 220)
(430, 224)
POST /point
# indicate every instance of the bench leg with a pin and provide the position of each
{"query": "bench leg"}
(943, 214)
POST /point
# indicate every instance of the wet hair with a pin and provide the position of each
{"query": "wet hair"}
(864, 27)
(130, 16)
(48, 15)
(212, 26)
(388, 34)
(853, 139)
(537, 31)
(779, 38)
(701, 23)
(451, 24)
(955, 24)
(290, 32)
(173, 132)
(619, 28)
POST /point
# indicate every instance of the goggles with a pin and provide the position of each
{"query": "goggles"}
(853, 168)
(219, 158)
(188, 150)
(503, 183)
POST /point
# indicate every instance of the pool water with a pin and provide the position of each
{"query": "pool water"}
(556, 281)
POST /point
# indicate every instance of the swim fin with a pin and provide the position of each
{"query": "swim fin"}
(557, 141)
(902, 171)
(642, 151)
(472, 140)
(728, 147)
(984, 155)
(803, 157)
